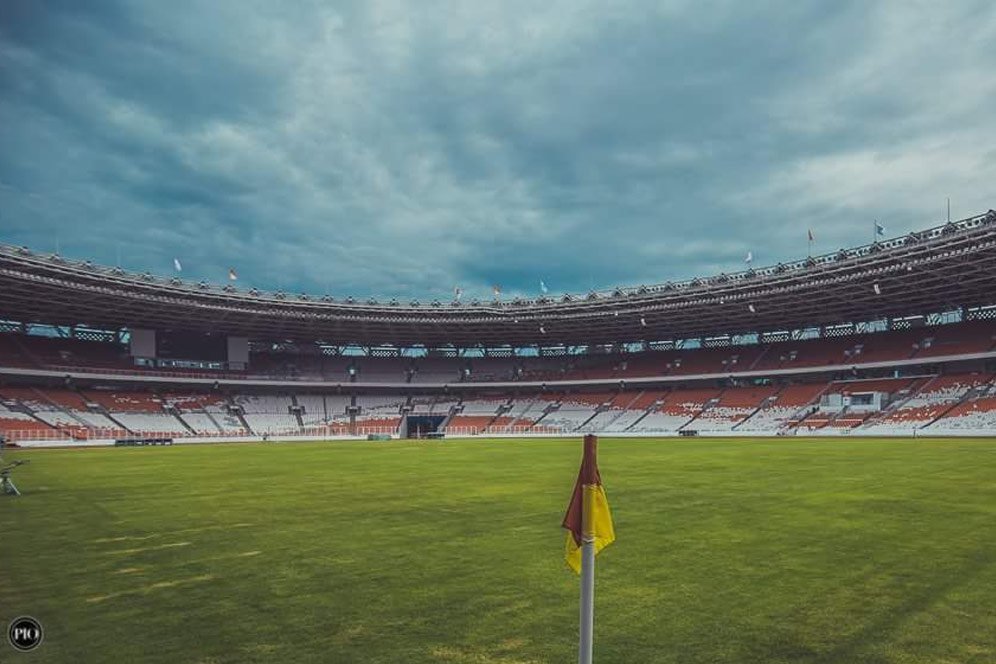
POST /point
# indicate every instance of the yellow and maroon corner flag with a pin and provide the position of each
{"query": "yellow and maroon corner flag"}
(588, 515)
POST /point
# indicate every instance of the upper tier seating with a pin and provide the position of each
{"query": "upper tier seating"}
(972, 337)
(309, 362)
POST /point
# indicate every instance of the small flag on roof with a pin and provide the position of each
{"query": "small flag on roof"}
(543, 287)
(176, 265)
(749, 258)
(879, 229)
(232, 276)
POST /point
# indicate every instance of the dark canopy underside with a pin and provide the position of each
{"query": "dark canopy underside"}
(941, 269)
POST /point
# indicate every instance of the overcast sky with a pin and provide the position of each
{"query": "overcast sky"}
(403, 148)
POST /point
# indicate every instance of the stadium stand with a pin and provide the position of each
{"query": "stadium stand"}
(60, 408)
(734, 406)
(974, 410)
(950, 340)
(22, 350)
(932, 401)
(784, 409)
(679, 408)
(572, 412)
(668, 358)
(269, 414)
(956, 402)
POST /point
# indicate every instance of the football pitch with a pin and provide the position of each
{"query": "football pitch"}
(450, 552)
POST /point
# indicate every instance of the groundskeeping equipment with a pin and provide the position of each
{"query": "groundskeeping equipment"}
(7, 486)
(589, 530)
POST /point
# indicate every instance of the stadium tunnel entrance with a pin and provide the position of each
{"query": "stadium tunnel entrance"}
(421, 426)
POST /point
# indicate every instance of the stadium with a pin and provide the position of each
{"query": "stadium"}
(497, 334)
(869, 340)
(896, 339)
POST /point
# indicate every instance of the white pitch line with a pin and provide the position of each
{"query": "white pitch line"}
(147, 548)
(125, 538)
(224, 556)
(221, 526)
(159, 585)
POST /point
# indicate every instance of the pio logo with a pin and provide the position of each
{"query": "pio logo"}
(24, 633)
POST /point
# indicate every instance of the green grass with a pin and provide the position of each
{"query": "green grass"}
(450, 552)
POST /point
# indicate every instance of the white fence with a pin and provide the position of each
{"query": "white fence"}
(95, 436)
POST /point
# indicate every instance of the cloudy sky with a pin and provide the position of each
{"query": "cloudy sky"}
(402, 148)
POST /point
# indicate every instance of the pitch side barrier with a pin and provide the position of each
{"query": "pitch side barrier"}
(471, 435)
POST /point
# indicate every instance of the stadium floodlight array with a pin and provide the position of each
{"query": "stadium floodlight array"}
(923, 272)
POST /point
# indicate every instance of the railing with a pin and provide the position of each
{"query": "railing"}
(498, 430)
(329, 431)
(15, 435)
(95, 433)
(142, 371)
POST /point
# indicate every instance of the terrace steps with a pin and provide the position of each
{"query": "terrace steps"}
(211, 417)
(521, 416)
(625, 408)
(175, 412)
(765, 403)
(652, 407)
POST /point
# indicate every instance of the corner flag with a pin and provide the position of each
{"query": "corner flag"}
(588, 517)
(589, 530)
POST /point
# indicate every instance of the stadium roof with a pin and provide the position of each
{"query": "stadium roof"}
(949, 267)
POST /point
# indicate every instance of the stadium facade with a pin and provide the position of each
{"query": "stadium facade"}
(898, 336)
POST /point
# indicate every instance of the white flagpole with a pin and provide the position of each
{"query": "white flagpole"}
(587, 598)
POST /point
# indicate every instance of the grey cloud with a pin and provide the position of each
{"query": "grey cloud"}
(379, 148)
